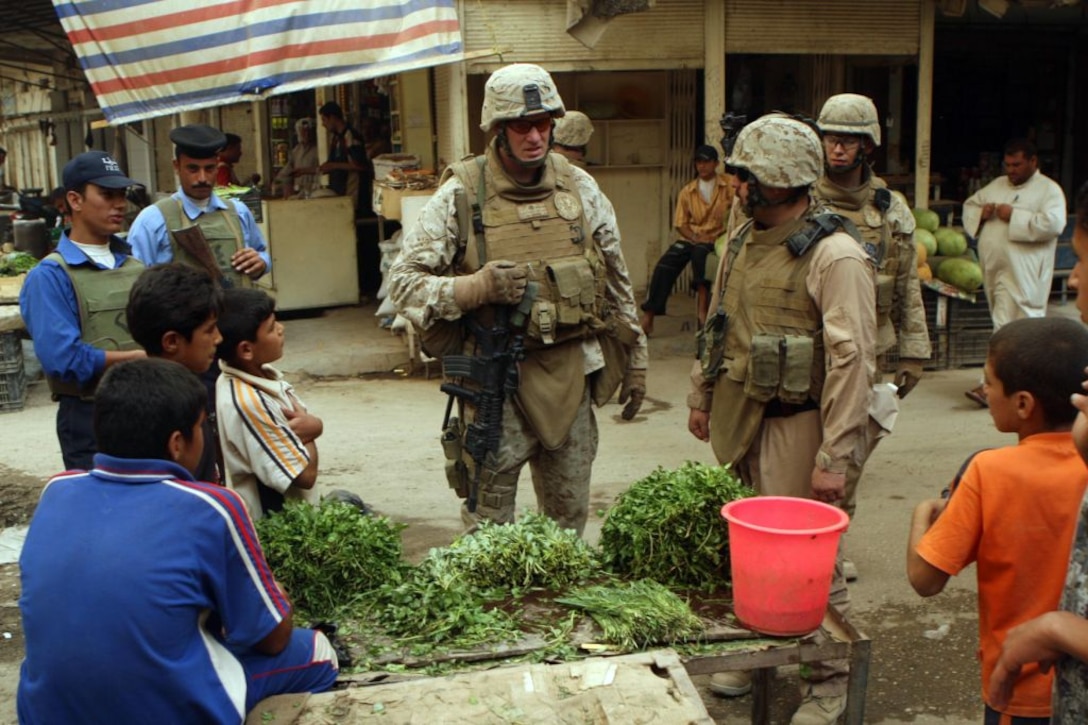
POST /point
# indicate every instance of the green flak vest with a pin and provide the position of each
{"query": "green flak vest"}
(102, 296)
(223, 230)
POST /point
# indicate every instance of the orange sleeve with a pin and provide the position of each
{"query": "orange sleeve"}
(951, 544)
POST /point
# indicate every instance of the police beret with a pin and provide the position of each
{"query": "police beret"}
(198, 141)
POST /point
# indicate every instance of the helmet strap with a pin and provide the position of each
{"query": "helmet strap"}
(756, 197)
(858, 161)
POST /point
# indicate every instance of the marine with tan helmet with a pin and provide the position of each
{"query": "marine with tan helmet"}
(572, 133)
(849, 186)
(513, 222)
(781, 389)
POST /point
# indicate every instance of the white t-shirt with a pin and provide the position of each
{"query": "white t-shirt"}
(706, 189)
(100, 254)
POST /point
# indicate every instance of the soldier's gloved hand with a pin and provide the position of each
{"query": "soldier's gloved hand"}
(632, 392)
(907, 375)
(497, 282)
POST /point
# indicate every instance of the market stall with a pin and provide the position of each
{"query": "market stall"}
(312, 243)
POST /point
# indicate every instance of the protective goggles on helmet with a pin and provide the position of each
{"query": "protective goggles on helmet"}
(524, 126)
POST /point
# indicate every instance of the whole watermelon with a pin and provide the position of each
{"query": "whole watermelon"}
(927, 239)
(950, 242)
(926, 219)
(961, 273)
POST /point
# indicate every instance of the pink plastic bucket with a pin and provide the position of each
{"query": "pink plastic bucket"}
(782, 552)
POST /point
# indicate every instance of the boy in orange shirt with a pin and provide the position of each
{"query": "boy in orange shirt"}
(1059, 639)
(1014, 502)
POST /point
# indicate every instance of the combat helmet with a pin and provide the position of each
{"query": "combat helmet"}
(517, 90)
(779, 151)
(852, 114)
(573, 130)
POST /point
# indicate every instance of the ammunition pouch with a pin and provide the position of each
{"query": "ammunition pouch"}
(458, 474)
(885, 297)
(567, 302)
(780, 368)
(710, 343)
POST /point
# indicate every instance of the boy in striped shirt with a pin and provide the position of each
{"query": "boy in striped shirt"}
(267, 435)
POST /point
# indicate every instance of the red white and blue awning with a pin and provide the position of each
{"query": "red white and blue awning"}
(147, 58)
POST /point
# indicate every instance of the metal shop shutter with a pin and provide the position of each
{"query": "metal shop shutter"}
(669, 35)
(837, 27)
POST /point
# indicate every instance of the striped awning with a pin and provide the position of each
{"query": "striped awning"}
(147, 58)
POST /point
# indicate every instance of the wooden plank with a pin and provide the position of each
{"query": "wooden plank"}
(924, 122)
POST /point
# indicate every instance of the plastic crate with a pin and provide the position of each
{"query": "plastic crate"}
(967, 348)
(963, 315)
(12, 390)
(11, 352)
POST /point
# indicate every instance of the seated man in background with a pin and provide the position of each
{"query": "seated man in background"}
(146, 597)
(702, 210)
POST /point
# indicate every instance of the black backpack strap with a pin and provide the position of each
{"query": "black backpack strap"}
(951, 488)
(818, 227)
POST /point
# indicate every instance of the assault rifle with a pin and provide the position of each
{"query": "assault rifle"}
(731, 124)
(494, 370)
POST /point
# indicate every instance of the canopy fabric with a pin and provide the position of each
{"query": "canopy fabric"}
(147, 58)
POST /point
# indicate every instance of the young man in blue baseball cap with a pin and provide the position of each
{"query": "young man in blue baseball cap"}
(73, 302)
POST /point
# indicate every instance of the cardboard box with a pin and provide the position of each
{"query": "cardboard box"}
(9, 289)
(387, 199)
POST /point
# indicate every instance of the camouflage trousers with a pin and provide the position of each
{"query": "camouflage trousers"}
(560, 477)
(780, 463)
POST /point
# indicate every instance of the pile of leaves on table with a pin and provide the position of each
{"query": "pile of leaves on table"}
(668, 527)
(503, 582)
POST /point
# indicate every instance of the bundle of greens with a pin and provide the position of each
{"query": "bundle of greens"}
(435, 605)
(327, 556)
(15, 263)
(636, 614)
(668, 527)
(532, 553)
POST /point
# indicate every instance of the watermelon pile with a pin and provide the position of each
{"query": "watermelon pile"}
(943, 253)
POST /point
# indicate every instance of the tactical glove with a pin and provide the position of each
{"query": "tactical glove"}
(907, 375)
(498, 282)
(632, 392)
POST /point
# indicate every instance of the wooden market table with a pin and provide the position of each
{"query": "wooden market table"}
(846, 643)
(749, 651)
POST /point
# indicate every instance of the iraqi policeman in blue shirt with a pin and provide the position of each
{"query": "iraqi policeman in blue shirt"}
(196, 227)
(73, 302)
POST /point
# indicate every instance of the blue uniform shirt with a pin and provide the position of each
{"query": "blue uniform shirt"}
(50, 311)
(137, 582)
(151, 242)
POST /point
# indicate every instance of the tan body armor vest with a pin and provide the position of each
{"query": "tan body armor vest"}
(773, 346)
(543, 228)
(223, 230)
(863, 206)
(102, 296)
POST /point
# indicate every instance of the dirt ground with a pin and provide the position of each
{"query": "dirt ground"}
(380, 441)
